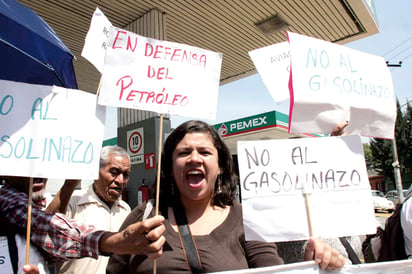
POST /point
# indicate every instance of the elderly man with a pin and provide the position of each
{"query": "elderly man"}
(99, 205)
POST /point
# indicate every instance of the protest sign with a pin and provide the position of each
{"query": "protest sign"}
(94, 49)
(273, 65)
(159, 76)
(398, 267)
(295, 268)
(332, 83)
(49, 131)
(275, 175)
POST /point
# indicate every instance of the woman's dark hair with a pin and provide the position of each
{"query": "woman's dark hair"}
(226, 181)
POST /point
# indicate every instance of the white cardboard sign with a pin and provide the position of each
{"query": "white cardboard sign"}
(94, 49)
(273, 65)
(49, 131)
(275, 175)
(160, 76)
(393, 267)
(308, 267)
(333, 83)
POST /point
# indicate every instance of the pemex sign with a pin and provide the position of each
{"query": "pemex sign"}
(253, 123)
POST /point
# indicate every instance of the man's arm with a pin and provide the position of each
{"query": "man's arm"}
(55, 234)
(63, 238)
(62, 198)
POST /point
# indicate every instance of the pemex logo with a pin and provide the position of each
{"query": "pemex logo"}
(222, 130)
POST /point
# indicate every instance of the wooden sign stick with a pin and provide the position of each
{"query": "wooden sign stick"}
(159, 158)
(28, 229)
(309, 214)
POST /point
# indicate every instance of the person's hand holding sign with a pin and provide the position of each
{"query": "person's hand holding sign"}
(31, 269)
(323, 254)
(339, 129)
(143, 238)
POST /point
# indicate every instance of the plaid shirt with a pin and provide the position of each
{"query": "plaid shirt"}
(55, 234)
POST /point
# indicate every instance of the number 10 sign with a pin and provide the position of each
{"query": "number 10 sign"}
(135, 146)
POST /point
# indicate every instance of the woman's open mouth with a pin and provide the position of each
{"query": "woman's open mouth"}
(195, 178)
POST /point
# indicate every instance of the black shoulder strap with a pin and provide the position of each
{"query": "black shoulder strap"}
(189, 247)
(351, 253)
(14, 255)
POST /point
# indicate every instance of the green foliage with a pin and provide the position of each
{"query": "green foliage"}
(368, 154)
(381, 150)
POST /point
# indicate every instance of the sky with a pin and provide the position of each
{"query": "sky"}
(249, 96)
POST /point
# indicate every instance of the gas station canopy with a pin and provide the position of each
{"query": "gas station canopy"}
(231, 27)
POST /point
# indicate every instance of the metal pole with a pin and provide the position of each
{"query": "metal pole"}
(395, 164)
(397, 171)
